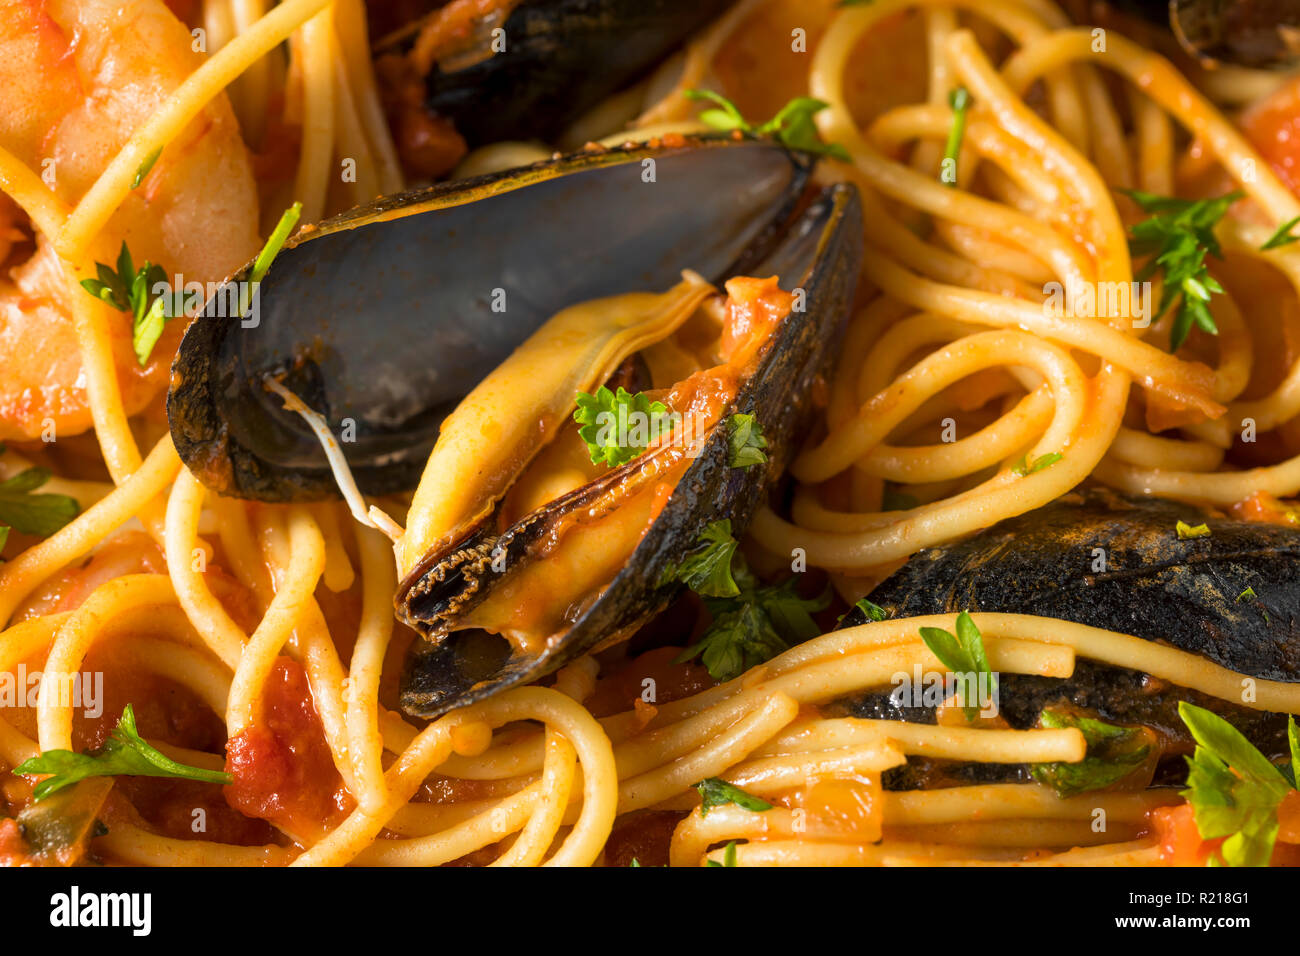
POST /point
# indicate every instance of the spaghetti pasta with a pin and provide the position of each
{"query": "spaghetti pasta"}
(1003, 351)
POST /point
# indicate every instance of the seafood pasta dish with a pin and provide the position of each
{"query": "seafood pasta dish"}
(646, 432)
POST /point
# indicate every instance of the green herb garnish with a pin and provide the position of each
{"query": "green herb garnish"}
(959, 99)
(1234, 790)
(963, 654)
(125, 753)
(736, 641)
(1186, 531)
(129, 289)
(707, 569)
(874, 612)
(144, 167)
(746, 441)
(751, 624)
(618, 426)
(716, 792)
(728, 856)
(792, 126)
(275, 242)
(1111, 755)
(1023, 467)
(262, 264)
(1179, 236)
(1283, 236)
(41, 514)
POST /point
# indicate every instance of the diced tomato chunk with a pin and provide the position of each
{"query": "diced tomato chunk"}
(282, 766)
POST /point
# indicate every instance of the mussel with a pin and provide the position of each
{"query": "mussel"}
(1260, 34)
(384, 317)
(527, 69)
(383, 320)
(1111, 561)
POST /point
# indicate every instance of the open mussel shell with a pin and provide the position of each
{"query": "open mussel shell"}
(551, 61)
(820, 253)
(1106, 560)
(383, 318)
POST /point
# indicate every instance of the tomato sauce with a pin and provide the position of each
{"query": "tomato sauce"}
(1263, 507)
(755, 307)
(671, 681)
(190, 810)
(13, 849)
(282, 767)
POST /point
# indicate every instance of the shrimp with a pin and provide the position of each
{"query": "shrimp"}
(77, 77)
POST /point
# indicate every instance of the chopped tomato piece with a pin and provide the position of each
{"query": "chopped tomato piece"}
(1273, 126)
(283, 769)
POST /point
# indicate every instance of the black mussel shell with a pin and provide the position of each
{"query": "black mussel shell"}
(383, 318)
(820, 253)
(1154, 585)
(560, 59)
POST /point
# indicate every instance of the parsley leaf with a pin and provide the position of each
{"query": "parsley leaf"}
(262, 264)
(275, 242)
(707, 570)
(33, 514)
(1186, 531)
(751, 624)
(790, 614)
(964, 656)
(1179, 236)
(618, 426)
(728, 856)
(149, 329)
(746, 440)
(125, 753)
(144, 167)
(1023, 468)
(959, 100)
(129, 289)
(736, 641)
(792, 126)
(1283, 236)
(716, 792)
(1111, 755)
(1233, 789)
(874, 612)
